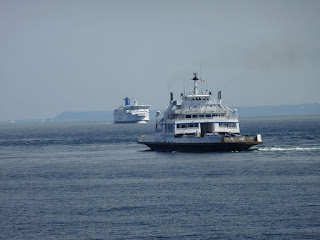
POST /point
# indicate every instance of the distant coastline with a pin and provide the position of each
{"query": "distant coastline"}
(258, 111)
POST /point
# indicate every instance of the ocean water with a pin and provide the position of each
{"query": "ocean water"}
(93, 181)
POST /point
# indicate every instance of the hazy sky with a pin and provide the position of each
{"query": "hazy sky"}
(74, 55)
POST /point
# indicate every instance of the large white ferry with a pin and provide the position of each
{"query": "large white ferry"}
(131, 113)
(196, 122)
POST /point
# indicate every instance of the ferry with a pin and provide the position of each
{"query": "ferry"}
(131, 113)
(196, 122)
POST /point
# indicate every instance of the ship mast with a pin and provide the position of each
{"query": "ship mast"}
(195, 88)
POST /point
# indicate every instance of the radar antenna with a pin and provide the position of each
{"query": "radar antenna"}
(195, 77)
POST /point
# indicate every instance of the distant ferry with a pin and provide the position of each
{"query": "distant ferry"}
(131, 113)
(196, 122)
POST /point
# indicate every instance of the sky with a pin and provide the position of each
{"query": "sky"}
(76, 55)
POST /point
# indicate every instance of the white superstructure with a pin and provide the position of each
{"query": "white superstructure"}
(131, 113)
(198, 122)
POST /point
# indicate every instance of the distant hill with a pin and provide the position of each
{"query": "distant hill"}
(91, 116)
(83, 116)
(302, 109)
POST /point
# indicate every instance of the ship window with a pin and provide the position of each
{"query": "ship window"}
(194, 116)
(208, 116)
(201, 116)
(188, 116)
(158, 128)
(228, 125)
(190, 125)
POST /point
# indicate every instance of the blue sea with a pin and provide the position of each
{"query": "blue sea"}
(93, 181)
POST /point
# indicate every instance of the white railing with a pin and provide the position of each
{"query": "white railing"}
(201, 118)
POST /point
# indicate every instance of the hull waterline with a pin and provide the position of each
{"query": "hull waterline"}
(199, 147)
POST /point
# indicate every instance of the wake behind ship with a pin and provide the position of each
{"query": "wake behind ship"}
(196, 122)
(131, 113)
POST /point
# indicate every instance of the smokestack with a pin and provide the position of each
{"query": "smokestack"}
(127, 101)
(171, 96)
(219, 95)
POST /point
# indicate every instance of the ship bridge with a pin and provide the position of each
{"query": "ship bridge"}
(196, 97)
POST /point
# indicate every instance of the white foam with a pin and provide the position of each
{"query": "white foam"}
(271, 149)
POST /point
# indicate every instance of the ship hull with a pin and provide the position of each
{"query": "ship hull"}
(124, 117)
(135, 121)
(200, 147)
